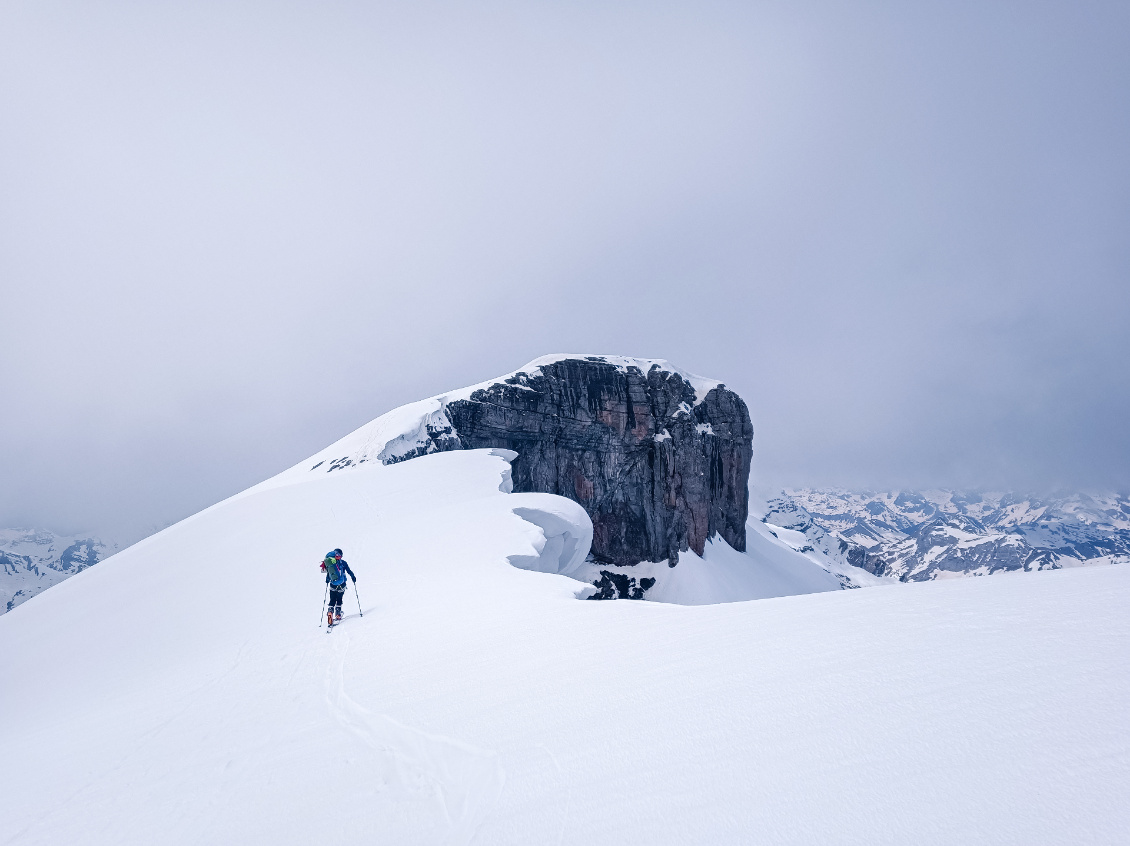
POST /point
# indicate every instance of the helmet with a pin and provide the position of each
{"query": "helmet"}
(337, 553)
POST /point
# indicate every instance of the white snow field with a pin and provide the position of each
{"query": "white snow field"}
(182, 691)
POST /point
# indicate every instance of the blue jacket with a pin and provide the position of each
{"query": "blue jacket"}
(344, 568)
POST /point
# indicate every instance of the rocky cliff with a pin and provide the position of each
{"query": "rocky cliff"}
(658, 458)
(658, 468)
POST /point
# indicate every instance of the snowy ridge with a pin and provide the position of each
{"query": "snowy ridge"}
(422, 427)
(702, 386)
(772, 565)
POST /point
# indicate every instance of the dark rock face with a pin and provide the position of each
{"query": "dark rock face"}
(657, 473)
(613, 585)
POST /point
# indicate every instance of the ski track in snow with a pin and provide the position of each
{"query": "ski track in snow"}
(144, 739)
(568, 792)
(466, 781)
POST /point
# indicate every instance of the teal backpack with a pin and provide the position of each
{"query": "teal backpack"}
(333, 571)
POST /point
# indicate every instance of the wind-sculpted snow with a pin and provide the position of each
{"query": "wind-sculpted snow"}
(184, 691)
(566, 533)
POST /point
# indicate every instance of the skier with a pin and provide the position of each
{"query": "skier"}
(336, 568)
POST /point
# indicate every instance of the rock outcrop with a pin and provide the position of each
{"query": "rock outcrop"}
(658, 458)
(658, 468)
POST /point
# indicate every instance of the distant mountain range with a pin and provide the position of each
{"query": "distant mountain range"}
(919, 536)
(33, 560)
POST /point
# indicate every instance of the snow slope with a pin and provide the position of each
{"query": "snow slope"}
(181, 692)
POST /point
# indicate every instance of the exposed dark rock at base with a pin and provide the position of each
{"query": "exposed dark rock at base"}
(612, 585)
(658, 470)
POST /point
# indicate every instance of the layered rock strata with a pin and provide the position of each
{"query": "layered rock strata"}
(658, 468)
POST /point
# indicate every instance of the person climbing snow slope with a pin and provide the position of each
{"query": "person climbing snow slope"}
(336, 569)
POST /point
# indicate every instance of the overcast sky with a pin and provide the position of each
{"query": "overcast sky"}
(230, 233)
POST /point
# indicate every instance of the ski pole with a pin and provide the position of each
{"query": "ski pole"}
(324, 598)
(355, 593)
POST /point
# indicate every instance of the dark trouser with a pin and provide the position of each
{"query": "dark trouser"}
(335, 598)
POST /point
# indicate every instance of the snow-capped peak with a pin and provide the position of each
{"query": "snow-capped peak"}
(423, 427)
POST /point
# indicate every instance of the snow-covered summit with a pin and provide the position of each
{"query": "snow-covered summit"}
(657, 457)
(702, 386)
(422, 427)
